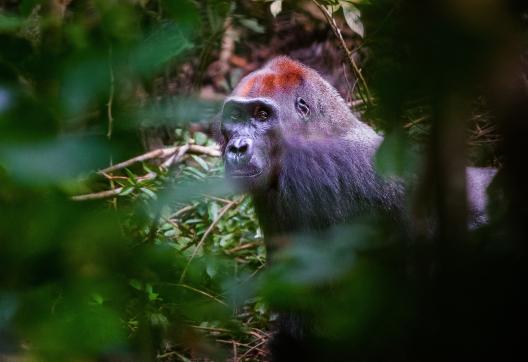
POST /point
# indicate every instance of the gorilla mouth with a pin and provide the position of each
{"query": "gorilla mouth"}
(243, 174)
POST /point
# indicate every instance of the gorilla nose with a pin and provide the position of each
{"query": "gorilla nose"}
(239, 151)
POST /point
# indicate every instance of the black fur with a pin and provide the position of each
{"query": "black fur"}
(325, 182)
(316, 170)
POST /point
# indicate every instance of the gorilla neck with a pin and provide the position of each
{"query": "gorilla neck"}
(324, 182)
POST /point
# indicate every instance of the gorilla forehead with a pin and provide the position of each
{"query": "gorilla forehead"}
(247, 101)
(281, 75)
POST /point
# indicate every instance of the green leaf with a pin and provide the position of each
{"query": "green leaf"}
(149, 193)
(200, 138)
(10, 23)
(136, 284)
(126, 191)
(252, 24)
(170, 233)
(97, 299)
(395, 156)
(211, 269)
(193, 171)
(212, 210)
(353, 18)
(201, 162)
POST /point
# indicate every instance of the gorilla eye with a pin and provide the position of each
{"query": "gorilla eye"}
(261, 114)
(235, 114)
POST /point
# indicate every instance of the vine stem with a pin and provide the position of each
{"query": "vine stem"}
(350, 57)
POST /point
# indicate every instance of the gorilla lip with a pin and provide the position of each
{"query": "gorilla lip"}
(239, 174)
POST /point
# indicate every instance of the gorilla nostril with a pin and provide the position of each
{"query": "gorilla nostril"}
(239, 152)
(232, 149)
(239, 148)
(243, 148)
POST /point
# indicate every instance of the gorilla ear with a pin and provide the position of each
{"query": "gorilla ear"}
(302, 108)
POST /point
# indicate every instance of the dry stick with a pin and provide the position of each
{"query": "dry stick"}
(212, 329)
(175, 157)
(162, 153)
(185, 286)
(181, 211)
(203, 150)
(222, 212)
(159, 153)
(231, 341)
(224, 201)
(337, 32)
(255, 347)
(243, 247)
(235, 352)
(149, 176)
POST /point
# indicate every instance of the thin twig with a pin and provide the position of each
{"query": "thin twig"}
(175, 157)
(243, 247)
(212, 329)
(114, 192)
(149, 176)
(219, 199)
(222, 212)
(159, 153)
(255, 347)
(181, 211)
(337, 32)
(111, 96)
(199, 292)
(98, 195)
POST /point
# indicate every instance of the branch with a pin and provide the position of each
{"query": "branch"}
(98, 195)
(203, 150)
(222, 212)
(163, 153)
(337, 32)
(173, 155)
(113, 192)
(159, 153)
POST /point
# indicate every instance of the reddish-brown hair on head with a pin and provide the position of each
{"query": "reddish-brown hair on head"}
(280, 75)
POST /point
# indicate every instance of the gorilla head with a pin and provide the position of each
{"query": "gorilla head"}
(283, 103)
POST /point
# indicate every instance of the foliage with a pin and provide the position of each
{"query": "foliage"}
(144, 271)
(158, 259)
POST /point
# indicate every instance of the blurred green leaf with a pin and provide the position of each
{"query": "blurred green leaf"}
(54, 161)
(396, 156)
(10, 23)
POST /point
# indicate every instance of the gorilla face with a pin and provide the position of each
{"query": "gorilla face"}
(249, 126)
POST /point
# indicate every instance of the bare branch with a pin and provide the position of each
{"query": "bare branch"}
(159, 153)
(203, 150)
(113, 192)
(163, 153)
(172, 155)
(98, 195)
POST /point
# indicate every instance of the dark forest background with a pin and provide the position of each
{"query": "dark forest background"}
(120, 240)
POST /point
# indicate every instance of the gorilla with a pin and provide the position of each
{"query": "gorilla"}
(290, 141)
